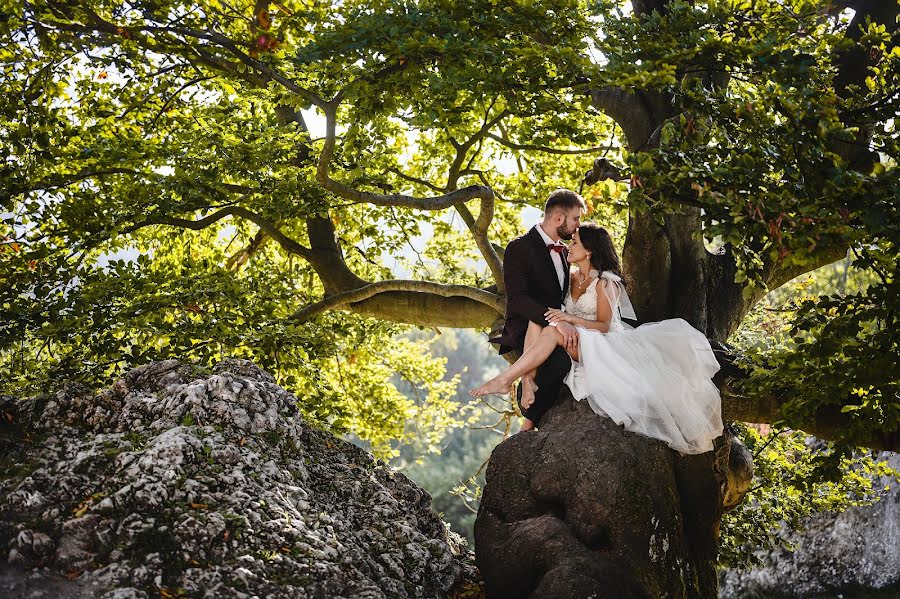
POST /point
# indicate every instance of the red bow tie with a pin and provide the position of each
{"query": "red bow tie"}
(556, 247)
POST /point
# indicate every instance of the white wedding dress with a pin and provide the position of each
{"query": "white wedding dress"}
(654, 379)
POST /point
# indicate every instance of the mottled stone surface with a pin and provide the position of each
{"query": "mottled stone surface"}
(582, 508)
(856, 550)
(208, 485)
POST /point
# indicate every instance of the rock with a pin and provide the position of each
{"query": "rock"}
(582, 508)
(856, 550)
(19, 583)
(183, 483)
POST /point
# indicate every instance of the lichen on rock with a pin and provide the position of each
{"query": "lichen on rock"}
(209, 484)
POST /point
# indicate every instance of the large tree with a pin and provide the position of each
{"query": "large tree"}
(270, 161)
(295, 182)
(298, 180)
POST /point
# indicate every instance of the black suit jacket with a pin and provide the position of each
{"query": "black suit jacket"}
(532, 286)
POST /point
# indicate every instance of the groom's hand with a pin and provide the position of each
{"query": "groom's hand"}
(570, 335)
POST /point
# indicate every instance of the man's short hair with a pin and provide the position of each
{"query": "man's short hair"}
(563, 199)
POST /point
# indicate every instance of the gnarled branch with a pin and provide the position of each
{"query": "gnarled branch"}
(452, 198)
(346, 298)
(264, 224)
(827, 422)
(440, 202)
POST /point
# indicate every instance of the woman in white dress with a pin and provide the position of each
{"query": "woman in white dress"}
(654, 380)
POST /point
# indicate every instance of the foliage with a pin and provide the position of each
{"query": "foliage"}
(93, 323)
(768, 324)
(760, 154)
(464, 450)
(795, 476)
(760, 157)
(167, 128)
(836, 340)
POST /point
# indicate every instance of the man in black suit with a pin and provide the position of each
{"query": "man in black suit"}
(536, 274)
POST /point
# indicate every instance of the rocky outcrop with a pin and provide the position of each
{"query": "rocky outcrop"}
(856, 550)
(582, 508)
(177, 483)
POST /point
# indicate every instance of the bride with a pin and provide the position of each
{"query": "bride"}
(654, 380)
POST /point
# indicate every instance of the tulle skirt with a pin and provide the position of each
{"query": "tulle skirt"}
(654, 380)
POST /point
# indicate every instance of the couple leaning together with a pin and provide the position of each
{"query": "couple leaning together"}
(564, 310)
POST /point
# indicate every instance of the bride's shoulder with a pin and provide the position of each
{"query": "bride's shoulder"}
(610, 276)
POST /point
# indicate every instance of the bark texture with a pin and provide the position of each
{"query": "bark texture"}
(584, 508)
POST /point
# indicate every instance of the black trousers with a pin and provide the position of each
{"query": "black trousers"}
(549, 380)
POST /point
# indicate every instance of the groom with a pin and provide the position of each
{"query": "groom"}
(536, 275)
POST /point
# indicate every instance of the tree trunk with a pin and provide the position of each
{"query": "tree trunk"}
(583, 508)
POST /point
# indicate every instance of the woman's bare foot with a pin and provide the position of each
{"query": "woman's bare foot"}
(528, 389)
(495, 386)
(527, 425)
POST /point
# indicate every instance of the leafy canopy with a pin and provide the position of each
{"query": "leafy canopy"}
(180, 179)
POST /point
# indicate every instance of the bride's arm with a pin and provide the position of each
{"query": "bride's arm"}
(604, 315)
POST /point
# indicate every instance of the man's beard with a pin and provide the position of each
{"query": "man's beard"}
(564, 233)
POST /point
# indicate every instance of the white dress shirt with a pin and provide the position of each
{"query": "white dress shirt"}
(557, 257)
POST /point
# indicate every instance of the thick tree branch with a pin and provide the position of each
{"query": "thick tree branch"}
(409, 307)
(265, 225)
(827, 423)
(327, 259)
(640, 114)
(478, 226)
(452, 198)
(346, 298)
(427, 310)
(184, 223)
(410, 302)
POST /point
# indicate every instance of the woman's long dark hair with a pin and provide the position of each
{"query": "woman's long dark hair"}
(598, 242)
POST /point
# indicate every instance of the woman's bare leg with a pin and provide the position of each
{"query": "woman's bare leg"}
(528, 386)
(528, 424)
(533, 357)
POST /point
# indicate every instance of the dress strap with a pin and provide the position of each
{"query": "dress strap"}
(617, 295)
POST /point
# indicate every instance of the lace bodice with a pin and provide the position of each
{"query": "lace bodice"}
(586, 304)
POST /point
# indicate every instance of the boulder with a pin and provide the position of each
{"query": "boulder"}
(583, 508)
(175, 482)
